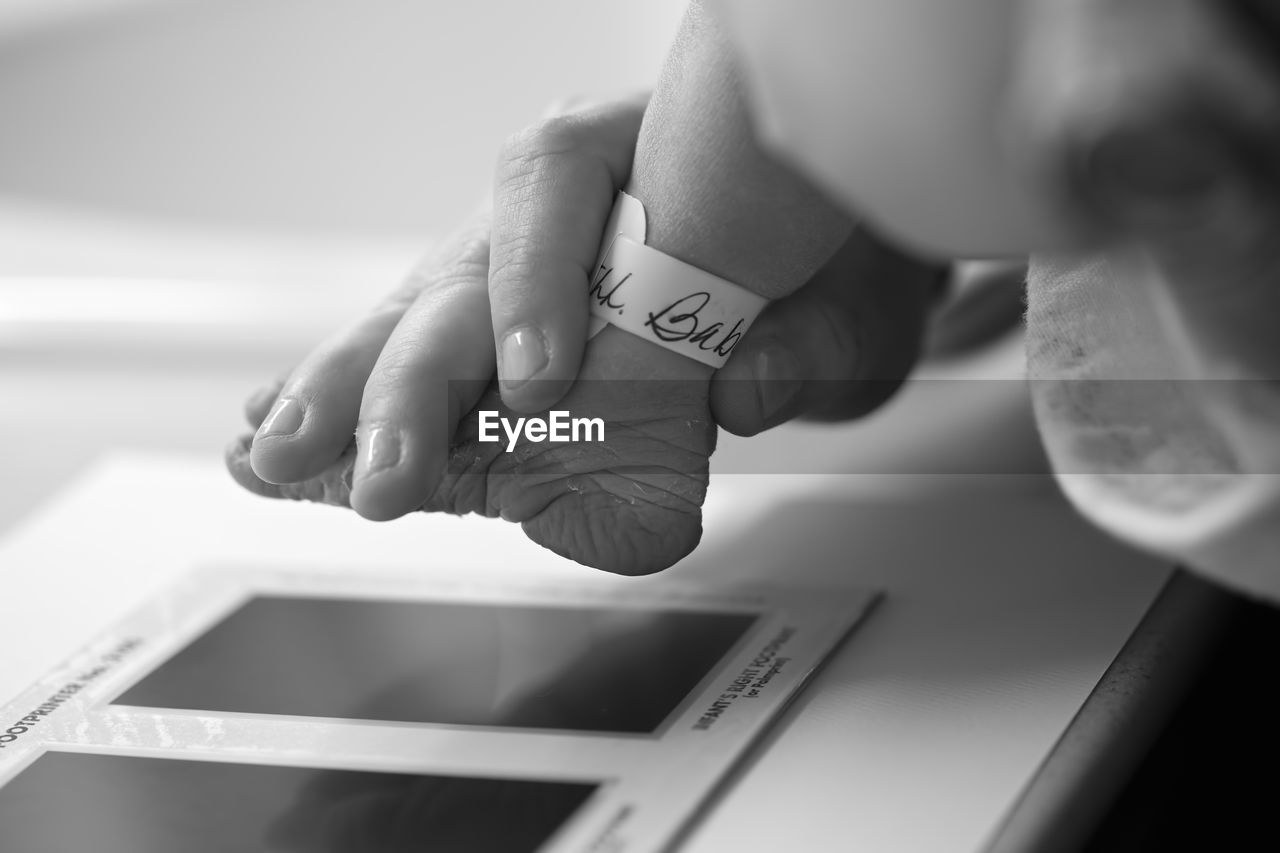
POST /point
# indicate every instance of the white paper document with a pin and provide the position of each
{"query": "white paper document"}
(258, 709)
(1000, 609)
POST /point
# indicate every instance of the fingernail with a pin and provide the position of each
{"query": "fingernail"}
(778, 379)
(380, 449)
(523, 356)
(284, 418)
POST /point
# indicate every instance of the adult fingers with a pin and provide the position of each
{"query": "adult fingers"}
(432, 370)
(837, 348)
(555, 188)
(305, 422)
(259, 403)
(311, 418)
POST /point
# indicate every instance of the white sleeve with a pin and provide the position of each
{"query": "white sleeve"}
(1154, 436)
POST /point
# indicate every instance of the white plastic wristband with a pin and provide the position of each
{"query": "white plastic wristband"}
(664, 300)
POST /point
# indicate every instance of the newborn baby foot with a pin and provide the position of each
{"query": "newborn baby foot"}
(629, 504)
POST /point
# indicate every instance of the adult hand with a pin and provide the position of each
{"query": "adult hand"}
(834, 348)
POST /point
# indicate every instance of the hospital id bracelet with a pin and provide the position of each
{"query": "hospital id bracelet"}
(664, 300)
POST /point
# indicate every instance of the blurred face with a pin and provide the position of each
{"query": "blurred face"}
(896, 107)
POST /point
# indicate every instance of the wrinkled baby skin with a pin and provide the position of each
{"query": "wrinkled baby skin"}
(630, 504)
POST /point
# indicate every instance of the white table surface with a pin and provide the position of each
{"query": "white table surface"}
(1002, 610)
